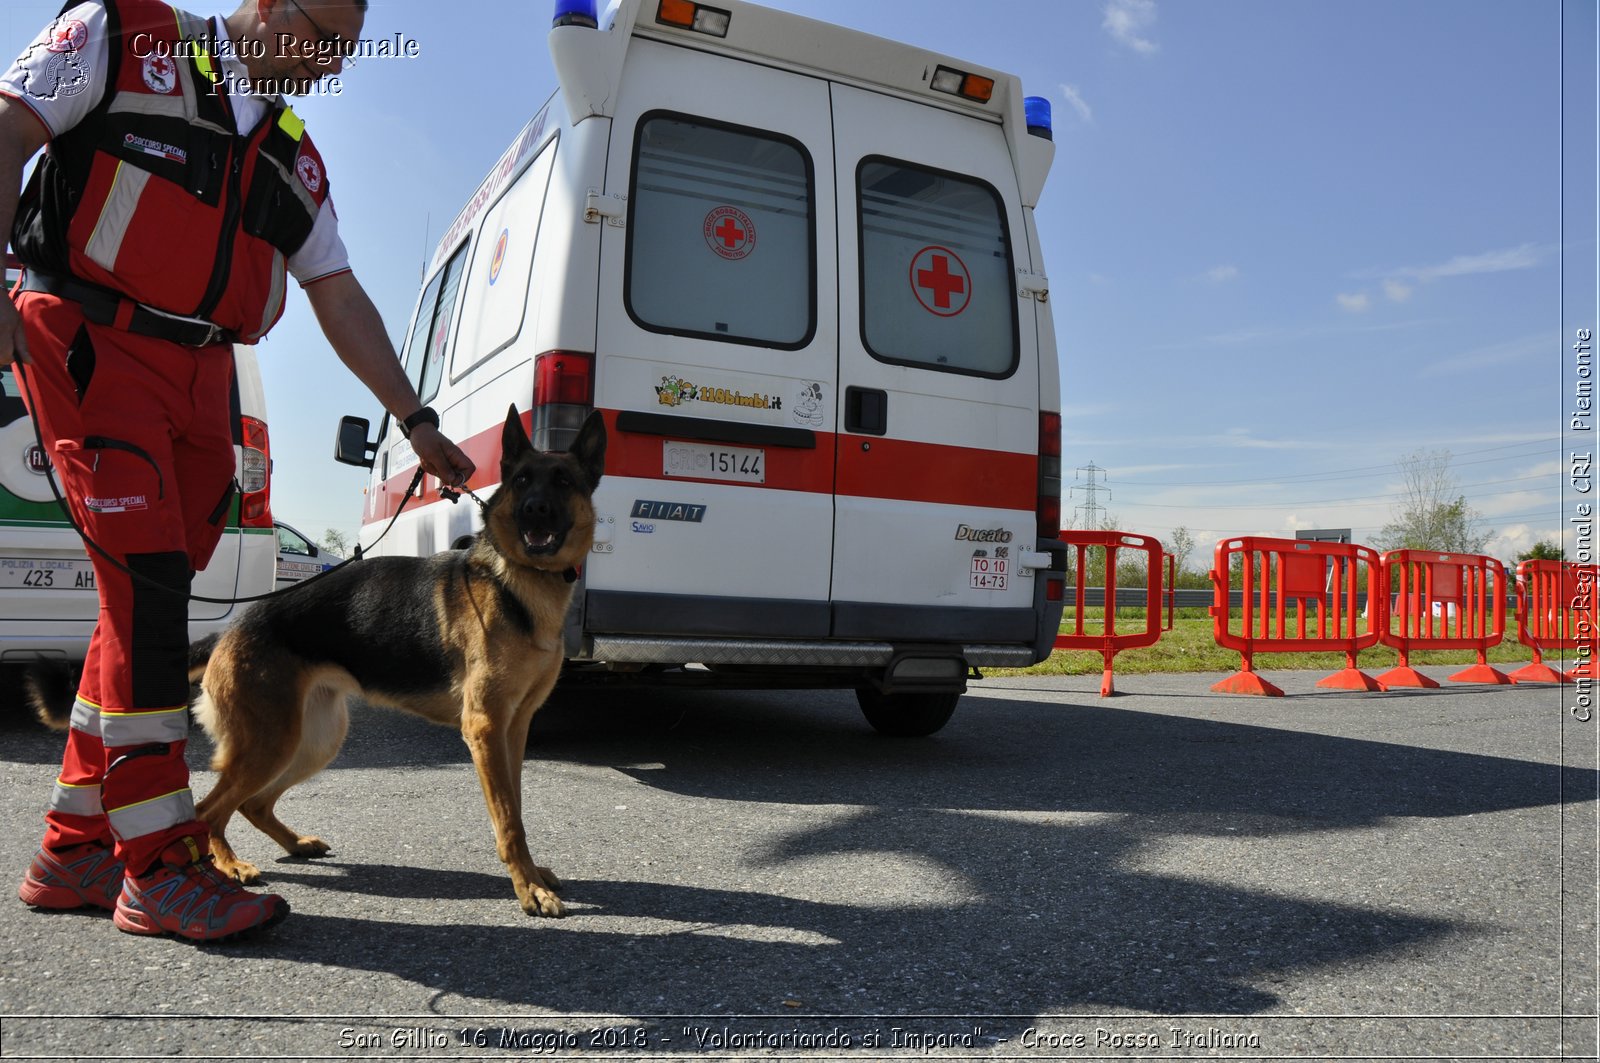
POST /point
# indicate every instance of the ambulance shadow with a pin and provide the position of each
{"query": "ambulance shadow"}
(997, 869)
(1184, 775)
(1069, 929)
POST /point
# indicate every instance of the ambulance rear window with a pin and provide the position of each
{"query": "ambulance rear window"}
(936, 271)
(720, 239)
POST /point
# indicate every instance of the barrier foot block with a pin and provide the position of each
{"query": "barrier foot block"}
(1350, 679)
(1247, 683)
(1405, 676)
(1482, 673)
(1539, 673)
(1107, 687)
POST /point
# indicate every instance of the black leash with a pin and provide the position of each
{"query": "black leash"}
(50, 474)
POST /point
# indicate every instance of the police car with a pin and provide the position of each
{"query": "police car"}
(299, 557)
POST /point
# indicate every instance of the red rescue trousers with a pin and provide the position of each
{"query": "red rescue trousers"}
(140, 434)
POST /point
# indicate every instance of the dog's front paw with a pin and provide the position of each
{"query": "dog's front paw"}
(310, 848)
(241, 871)
(548, 879)
(540, 901)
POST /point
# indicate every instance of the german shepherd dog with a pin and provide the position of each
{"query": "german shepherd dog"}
(468, 638)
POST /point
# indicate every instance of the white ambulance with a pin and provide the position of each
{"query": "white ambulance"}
(48, 603)
(796, 268)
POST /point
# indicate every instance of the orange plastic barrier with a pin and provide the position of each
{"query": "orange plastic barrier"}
(1159, 571)
(1556, 610)
(1323, 580)
(1443, 602)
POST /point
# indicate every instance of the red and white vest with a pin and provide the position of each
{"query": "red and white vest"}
(154, 195)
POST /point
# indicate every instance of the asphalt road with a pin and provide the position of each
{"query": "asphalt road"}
(758, 875)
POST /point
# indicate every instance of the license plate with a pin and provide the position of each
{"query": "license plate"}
(46, 574)
(701, 462)
(990, 573)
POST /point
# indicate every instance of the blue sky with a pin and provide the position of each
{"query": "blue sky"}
(1289, 242)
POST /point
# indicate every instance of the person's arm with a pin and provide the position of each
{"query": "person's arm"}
(355, 328)
(21, 136)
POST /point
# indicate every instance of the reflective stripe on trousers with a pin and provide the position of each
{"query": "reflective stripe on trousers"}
(76, 800)
(153, 816)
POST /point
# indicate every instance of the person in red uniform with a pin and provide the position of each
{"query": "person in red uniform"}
(176, 193)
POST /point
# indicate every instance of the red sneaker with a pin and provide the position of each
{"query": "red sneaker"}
(79, 876)
(184, 894)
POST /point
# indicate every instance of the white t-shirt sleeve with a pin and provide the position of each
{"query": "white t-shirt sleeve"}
(323, 254)
(61, 75)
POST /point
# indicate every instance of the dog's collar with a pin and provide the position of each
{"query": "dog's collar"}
(568, 574)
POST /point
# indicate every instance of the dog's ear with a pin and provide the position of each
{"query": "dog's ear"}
(513, 440)
(590, 448)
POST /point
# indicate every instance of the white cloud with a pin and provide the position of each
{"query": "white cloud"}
(1510, 542)
(1074, 97)
(1397, 292)
(1524, 350)
(1523, 256)
(1222, 274)
(1128, 20)
(1355, 303)
(1247, 440)
(1273, 334)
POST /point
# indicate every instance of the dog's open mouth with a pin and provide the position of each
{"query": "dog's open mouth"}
(542, 542)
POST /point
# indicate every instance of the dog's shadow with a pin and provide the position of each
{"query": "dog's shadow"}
(384, 880)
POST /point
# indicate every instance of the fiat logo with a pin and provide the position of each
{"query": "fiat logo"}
(35, 460)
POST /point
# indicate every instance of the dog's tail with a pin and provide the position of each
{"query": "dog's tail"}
(200, 656)
(50, 691)
(51, 687)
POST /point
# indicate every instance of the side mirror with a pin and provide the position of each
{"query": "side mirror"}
(351, 446)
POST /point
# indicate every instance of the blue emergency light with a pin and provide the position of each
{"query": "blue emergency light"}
(1037, 108)
(576, 13)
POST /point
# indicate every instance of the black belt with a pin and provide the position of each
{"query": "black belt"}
(106, 307)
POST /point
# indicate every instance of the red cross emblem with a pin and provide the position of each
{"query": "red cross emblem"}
(730, 233)
(940, 281)
(160, 73)
(68, 36)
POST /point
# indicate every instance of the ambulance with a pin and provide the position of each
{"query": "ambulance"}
(796, 268)
(48, 603)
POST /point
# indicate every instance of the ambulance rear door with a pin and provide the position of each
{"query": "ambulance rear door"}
(716, 361)
(938, 401)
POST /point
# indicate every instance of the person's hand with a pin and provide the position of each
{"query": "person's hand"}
(440, 458)
(13, 345)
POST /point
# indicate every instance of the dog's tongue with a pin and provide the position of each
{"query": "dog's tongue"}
(538, 542)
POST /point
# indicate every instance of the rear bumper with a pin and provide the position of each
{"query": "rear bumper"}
(631, 628)
(785, 653)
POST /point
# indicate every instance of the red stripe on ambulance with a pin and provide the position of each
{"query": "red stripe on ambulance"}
(868, 467)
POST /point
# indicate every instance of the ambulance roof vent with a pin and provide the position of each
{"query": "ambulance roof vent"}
(576, 13)
(1037, 109)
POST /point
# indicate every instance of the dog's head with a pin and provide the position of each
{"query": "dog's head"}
(541, 516)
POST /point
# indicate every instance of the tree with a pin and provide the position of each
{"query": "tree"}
(1543, 550)
(1432, 514)
(336, 542)
(1182, 545)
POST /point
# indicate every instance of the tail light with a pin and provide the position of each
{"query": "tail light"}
(255, 475)
(563, 395)
(1049, 496)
